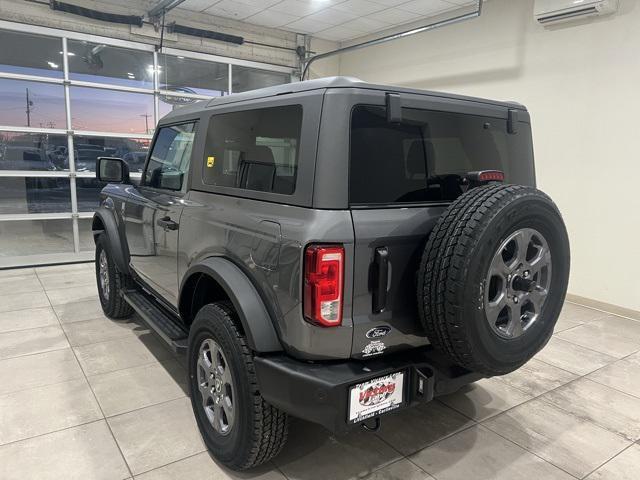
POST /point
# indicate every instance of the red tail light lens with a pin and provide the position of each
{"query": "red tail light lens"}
(491, 176)
(323, 284)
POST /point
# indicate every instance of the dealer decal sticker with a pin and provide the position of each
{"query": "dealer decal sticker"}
(375, 347)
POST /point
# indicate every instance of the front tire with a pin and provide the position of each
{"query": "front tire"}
(111, 282)
(238, 426)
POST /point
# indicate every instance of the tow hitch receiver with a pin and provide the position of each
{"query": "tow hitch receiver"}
(376, 425)
(424, 381)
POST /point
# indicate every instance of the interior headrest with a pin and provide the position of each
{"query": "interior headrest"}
(420, 151)
(260, 154)
(416, 158)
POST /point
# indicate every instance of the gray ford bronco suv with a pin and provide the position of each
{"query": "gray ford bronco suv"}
(332, 250)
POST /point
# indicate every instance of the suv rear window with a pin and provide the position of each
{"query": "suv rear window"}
(254, 149)
(421, 158)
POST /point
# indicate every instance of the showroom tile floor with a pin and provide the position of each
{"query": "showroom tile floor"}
(84, 397)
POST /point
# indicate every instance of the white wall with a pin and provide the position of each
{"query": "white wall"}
(581, 83)
(327, 67)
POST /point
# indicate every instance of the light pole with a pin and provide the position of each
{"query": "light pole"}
(29, 105)
(146, 122)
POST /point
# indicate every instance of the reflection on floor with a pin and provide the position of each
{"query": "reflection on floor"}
(85, 397)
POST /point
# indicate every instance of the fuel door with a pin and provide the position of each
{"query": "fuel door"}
(265, 247)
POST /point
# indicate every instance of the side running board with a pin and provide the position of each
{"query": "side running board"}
(158, 319)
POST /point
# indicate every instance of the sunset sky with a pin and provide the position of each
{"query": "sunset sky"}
(91, 109)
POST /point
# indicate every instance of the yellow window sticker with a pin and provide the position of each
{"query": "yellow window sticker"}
(211, 161)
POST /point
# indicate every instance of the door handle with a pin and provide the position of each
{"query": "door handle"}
(381, 265)
(167, 223)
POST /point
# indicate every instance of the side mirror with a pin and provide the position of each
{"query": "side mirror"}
(112, 170)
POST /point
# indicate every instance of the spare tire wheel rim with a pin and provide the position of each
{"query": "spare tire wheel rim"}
(517, 283)
(216, 386)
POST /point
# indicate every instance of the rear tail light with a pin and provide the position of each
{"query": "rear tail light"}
(323, 284)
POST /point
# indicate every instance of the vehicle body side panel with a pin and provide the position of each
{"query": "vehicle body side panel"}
(256, 321)
(152, 248)
(234, 228)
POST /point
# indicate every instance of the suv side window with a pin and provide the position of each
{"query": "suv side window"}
(170, 157)
(254, 149)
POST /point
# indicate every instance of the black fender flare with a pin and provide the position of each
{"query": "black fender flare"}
(254, 316)
(118, 248)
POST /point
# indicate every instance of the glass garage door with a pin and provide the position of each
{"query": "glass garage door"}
(67, 100)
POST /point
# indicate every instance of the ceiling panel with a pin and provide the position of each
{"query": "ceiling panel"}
(390, 3)
(426, 7)
(359, 7)
(305, 25)
(332, 16)
(394, 16)
(297, 7)
(269, 18)
(336, 20)
(233, 9)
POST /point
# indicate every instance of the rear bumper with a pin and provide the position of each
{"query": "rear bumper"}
(319, 392)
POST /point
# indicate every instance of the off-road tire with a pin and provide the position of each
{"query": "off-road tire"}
(260, 430)
(452, 273)
(113, 306)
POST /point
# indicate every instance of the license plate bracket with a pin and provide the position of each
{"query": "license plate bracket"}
(376, 396)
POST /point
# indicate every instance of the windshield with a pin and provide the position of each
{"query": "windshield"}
(424, 157)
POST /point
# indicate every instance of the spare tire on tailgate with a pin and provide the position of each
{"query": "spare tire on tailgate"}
(493, 277)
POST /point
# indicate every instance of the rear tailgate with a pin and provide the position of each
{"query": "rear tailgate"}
(402, 177)
(388, 307)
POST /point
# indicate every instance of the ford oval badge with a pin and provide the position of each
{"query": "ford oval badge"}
(378, 332)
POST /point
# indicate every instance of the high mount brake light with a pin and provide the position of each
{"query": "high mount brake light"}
(474, 179)
(323, 284)
(491, 176)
